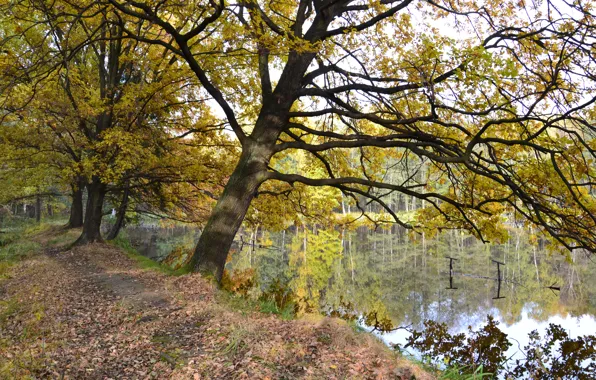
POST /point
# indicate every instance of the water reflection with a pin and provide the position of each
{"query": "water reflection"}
(451, 279)
(517, 332)
(157, 242)
(408, 279)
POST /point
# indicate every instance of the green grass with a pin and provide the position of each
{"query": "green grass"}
(143, 262)
(13, 252)
(458, 373)
(9, 308)
(356, 327)
(241, 304)
(16, 243)
(30, 319)
(233, 301)
(246, 305)
(65, 239)
(449, 373)
(425, 363)
(236, 341)
(18, 250)
(7, 238)
(270, 307)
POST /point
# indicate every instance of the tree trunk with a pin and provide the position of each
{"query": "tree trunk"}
(38, 209)
(115, 230)
(76, 208)
(96, 192)
(212, 249)
(252, 169)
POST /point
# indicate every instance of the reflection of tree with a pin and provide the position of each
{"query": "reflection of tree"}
(411, 280)
(408, 278)
(311, 261)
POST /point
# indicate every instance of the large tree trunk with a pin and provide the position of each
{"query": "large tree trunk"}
(96, 192)
(76, 209)
(115, 230)
(252, 169)
(227, 216)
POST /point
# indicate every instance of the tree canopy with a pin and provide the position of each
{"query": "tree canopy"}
(479, 110)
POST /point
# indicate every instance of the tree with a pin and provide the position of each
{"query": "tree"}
(122, 114)
(28, 173)
(508, 97)
(35, 156)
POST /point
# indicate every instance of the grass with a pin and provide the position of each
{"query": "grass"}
(15, 244)
(241, 336)
(235, 302)
(9, 308)
(18, 250)
(27, 318)
(454, 372)
(356, 327)
(424, 363)
(241, 304)
(14, 253)
(18, 246)
(236, 341)
(65, 238)
(270, 307)
(245, 305)
(7, 238)
(15, 247)
(458, 373)
(30, 317)
(143, 262)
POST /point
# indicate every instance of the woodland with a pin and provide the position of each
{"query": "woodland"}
(419, 115)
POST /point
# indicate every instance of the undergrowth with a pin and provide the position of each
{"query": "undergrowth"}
(22, 323)
(145, 263)
(15, 245)
(463, 373)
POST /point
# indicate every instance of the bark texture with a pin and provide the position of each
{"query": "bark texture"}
(252, 169)
(216, 239)
(96, 192)
(76, 208)
(121, 213)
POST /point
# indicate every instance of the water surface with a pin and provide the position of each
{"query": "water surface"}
(408, 279)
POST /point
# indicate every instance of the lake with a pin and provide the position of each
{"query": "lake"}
(409, 278)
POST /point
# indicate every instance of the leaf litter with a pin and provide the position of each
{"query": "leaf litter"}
(91, 313)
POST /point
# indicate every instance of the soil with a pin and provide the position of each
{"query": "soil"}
(91, 313)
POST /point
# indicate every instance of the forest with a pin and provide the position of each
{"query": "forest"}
(283, 189)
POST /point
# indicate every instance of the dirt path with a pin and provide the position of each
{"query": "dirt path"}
(91, 313)
(124, 287)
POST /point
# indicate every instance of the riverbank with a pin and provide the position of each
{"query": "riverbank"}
(93, 312)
